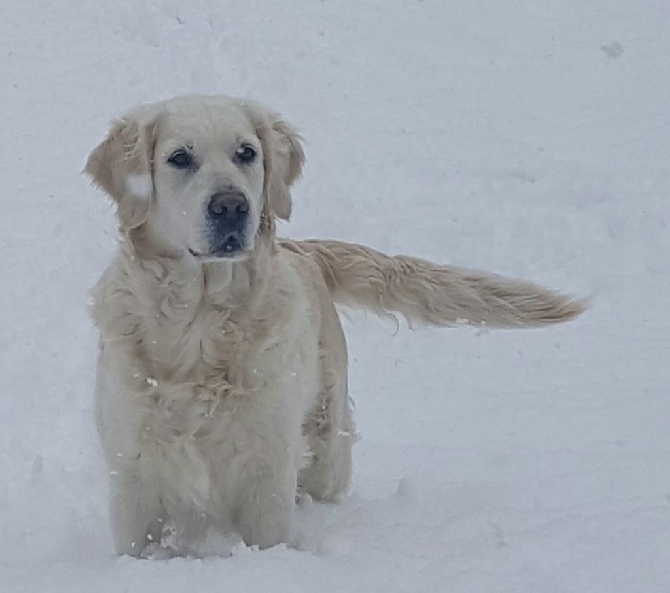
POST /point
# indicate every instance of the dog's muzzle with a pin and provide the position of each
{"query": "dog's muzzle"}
(227, 218)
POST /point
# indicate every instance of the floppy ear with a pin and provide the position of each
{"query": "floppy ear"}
(122, 166)
(283, 156)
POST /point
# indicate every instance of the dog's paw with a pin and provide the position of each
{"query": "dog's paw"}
(303, 499)
(155, 551)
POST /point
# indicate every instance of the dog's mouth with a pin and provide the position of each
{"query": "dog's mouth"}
(226, 252)
(229, 244)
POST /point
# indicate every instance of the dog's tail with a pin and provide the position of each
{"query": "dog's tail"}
(427, 293)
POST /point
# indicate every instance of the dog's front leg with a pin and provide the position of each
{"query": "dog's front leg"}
(266, 503)
(136, 512)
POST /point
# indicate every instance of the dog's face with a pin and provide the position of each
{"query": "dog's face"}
(201, 176)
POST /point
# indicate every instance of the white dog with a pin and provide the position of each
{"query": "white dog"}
(222, 378)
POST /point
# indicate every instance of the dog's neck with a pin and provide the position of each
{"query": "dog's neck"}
(180, 278)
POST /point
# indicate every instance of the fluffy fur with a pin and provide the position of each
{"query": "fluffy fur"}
(222, 379)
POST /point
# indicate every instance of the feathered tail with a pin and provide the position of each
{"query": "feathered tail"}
(427, 293)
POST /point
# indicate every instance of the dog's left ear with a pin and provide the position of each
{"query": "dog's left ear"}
(283, 157)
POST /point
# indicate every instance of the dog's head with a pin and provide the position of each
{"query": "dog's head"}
(199, 175)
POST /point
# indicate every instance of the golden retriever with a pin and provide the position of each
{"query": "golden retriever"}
(222, 377)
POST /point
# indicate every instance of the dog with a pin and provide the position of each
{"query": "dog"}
(221, 390)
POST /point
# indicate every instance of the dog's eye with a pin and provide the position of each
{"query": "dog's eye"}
(245, 154)
(181, 159)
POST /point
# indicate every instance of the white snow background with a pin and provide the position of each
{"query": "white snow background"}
(527, 138)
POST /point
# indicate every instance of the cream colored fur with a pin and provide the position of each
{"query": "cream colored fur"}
(222, 383)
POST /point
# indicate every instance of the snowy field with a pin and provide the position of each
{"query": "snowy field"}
(527, 138)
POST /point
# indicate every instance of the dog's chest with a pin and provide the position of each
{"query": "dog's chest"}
(212, 349)
(211, 385)
(197, 378)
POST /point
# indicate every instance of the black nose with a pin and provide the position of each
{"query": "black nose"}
(228, 205)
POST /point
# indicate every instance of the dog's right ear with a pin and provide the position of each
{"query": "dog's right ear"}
(122, 166)
(283, 156)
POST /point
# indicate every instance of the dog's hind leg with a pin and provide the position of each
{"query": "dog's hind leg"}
(329, 426)
(330, 434)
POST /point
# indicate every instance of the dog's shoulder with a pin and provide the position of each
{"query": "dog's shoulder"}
(110, 294)
(305, 268)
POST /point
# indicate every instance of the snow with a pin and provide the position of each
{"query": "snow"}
(531, 139)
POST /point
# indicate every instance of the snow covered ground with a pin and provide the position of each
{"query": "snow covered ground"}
(528, 138)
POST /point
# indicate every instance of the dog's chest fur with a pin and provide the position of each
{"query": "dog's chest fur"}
(191, 363)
